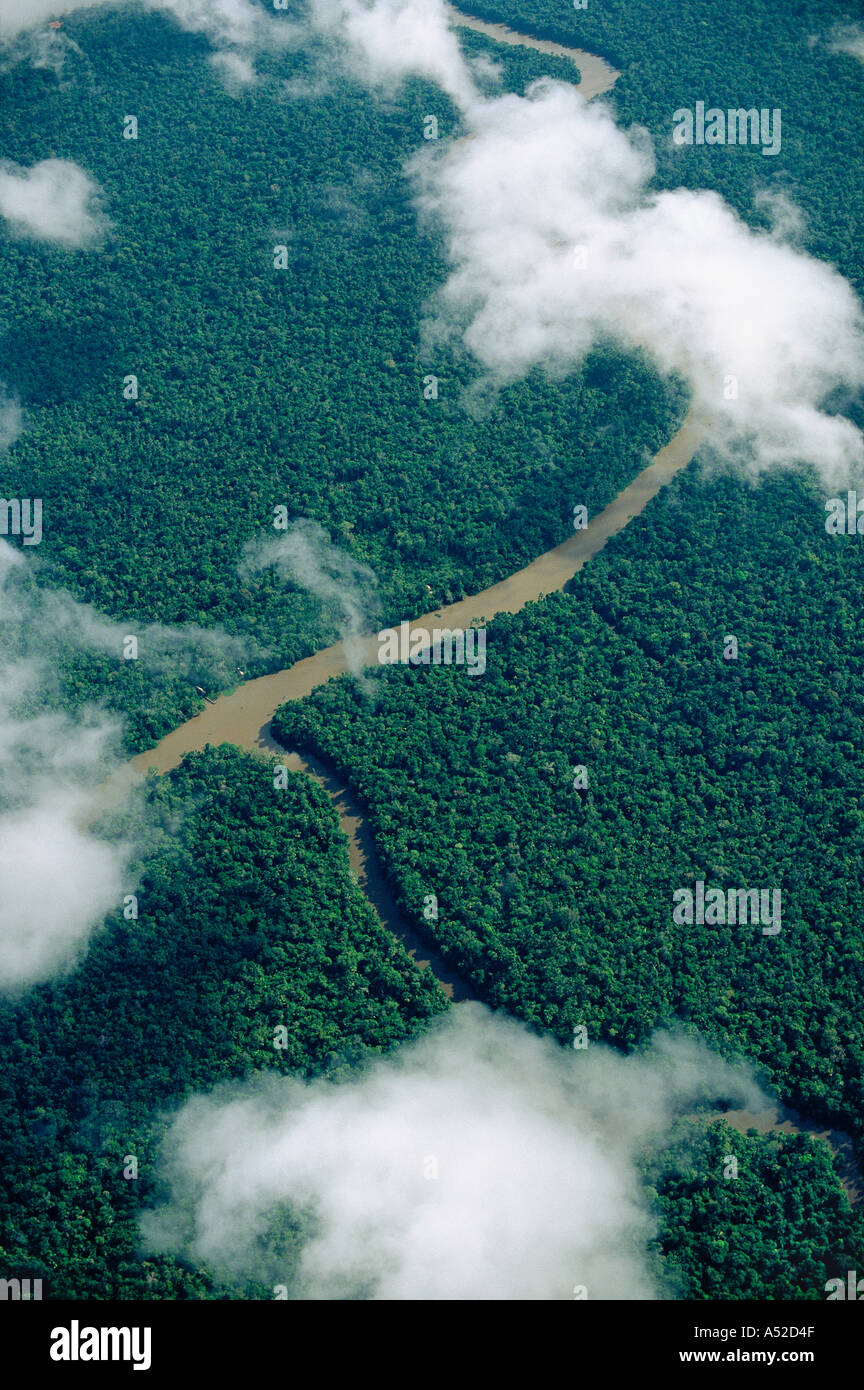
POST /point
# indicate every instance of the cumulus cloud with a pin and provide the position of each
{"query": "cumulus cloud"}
(305, 555)
(557, 243)
(52, 201)
(389, 40)
(382, 43)
(480, 1162)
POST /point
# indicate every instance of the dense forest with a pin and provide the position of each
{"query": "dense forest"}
(306, 388)
(779, 1229)
(557, 902)
(260, 387)
(248, 921)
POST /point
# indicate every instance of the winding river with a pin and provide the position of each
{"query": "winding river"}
(244, 716)
(595, 74)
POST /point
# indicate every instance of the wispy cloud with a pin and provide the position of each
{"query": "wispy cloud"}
(19, 16)
(58, 877)
(240, 29)
(848, 38)
(11, 419)
(305, 555)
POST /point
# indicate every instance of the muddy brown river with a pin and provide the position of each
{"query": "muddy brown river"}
(596, 76)
(244, 717)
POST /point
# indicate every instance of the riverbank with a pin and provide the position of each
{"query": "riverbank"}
(243, 717)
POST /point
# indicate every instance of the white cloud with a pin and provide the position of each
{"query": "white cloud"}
(52, 201)
(305, 554)
(387, 41)
(58, 878)
(675, 272)
(239, 27)
(225, 21)
(235, 22)
(480, 1162)
(235, 69)
(848, 38)
(543, 177)
(11, 419)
